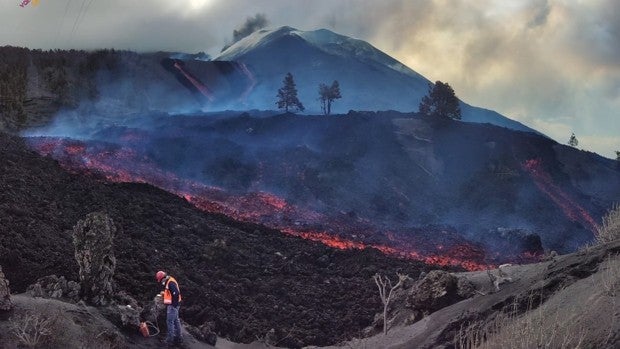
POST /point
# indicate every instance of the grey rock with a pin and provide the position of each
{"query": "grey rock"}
(123, 316)
(52, 286)
(438, 289)
(36, 290)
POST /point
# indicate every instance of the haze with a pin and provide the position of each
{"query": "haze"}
(553, 65)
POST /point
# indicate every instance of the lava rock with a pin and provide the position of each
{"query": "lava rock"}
(123, 316)
(438, 289)
(53, 286)
(5, 293)
(93, 241)
(204, 332)
(124, 311)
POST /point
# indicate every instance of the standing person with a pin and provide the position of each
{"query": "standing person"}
(172, 300)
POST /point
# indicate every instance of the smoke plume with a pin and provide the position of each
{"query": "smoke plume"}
(252, 24)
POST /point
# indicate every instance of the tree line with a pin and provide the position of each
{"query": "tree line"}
(288, 100)
(441, 100)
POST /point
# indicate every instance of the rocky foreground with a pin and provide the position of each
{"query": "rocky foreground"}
(239, 280)
(568, 301)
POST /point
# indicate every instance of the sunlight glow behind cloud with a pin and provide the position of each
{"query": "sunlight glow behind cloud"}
(552, 64)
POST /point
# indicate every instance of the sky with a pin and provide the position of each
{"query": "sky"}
(553, 65)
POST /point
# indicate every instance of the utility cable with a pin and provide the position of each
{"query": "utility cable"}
(62, 22)
(77, 19)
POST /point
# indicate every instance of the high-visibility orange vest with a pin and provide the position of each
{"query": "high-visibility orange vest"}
(168, 294)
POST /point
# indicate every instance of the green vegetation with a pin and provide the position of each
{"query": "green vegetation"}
(572, 141)
(13, 72)
(440, 102)
(327, 95)
(287, 95)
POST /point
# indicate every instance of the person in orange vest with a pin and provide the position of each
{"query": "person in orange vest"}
(172, 300)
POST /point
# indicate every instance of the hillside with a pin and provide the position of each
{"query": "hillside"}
(369, 78)
(244, 278)
(37, 85)
(419, 185)
(570, 301)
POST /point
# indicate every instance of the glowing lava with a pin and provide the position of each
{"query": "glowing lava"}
(197, 84)
(571, 209)
(121, 164)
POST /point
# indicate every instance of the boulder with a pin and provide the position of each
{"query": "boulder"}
(204, 333)
(123, 316)
(93, 240)
(124, 311)
(53, 286)
(5, 293)
(438, 289)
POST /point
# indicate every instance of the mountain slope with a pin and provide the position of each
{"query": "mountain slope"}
(247, 75)
(369, 78)
(416, 184)
(244, 278)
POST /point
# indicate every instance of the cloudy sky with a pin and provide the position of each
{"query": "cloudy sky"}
(551, 64)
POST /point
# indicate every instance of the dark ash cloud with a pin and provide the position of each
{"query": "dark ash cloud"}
(252, 24)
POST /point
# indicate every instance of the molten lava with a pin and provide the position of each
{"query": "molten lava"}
(121, 164)
(570, 207)
(248, 74)
(197, 84)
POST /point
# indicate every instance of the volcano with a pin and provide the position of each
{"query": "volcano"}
(246, 76)
(369, 78)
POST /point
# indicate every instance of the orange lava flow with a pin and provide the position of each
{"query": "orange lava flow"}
(570, 207)
(344, 244)
(118, 164)
(200, 86)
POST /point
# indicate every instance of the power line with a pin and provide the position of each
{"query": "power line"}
(77, 19)
(62, 22)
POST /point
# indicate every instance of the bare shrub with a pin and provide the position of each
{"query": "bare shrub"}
(610, 275)
(609, 230)
(511, 330)
(32, 329)
(610, 286)
(385, 292)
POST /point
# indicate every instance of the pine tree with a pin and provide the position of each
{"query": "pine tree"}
(327, 94)
(617, 155)
(440, 101)
(573, 142)
(287, 95)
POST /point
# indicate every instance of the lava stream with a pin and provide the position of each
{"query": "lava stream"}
(120, 164)
(197, 84)
(571, 209)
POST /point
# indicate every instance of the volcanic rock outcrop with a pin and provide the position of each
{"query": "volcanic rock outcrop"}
(53, 286)
(5, 293)
(438, 289)
(93, 241)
